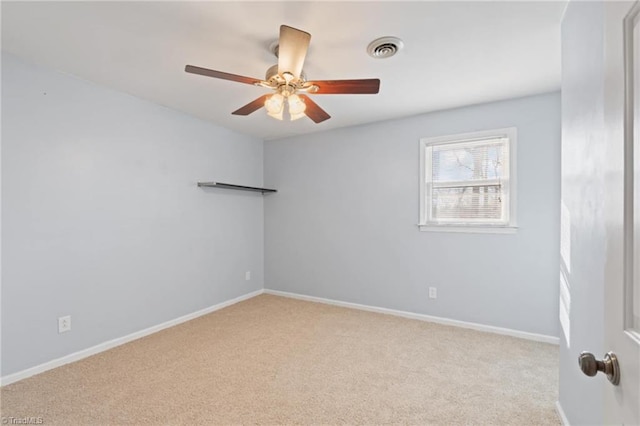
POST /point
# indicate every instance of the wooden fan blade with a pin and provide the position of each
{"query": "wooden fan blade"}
(292, 49)
(219, 74)
(313, 111)
(365, 86)
(251, 106)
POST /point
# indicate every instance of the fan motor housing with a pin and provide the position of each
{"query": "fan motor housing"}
(273, 71)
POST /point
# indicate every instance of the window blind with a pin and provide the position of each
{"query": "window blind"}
(469, 182)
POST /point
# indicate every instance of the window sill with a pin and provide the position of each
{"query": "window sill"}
(474, 229)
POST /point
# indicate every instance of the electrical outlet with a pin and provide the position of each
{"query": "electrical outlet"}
(433, 293)
(247, 275)
(64, 324)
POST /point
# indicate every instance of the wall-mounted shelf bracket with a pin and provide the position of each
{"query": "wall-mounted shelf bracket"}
(238, 187)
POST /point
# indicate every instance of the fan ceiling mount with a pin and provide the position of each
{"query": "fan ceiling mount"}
(289, 82)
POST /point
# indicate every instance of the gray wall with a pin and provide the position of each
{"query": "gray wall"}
(102, 219)
(583, 164)
(343, 223)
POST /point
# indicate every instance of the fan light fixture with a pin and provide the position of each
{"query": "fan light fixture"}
(275, 105)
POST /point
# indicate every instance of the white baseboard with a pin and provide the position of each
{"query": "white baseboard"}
(422, 317)
(563, 417)
(76, 356)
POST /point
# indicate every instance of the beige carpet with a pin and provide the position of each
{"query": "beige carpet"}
(272, 360)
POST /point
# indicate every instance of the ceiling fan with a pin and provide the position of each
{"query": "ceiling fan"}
(289, 83)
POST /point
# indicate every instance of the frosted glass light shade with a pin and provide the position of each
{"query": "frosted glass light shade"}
(274, 104)
(296, 107)
(276, 115)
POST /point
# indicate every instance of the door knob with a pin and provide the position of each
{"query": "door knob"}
(609, 366)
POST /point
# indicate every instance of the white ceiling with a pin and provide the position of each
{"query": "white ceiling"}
(456, 53)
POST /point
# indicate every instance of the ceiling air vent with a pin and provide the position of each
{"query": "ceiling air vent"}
(384, 47)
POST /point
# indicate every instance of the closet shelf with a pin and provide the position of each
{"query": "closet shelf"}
(231, 186)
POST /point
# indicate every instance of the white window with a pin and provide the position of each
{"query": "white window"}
(468, 182)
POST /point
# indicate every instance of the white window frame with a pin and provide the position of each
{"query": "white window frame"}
(510, 225)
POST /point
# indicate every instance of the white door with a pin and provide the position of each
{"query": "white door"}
(622, 208)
